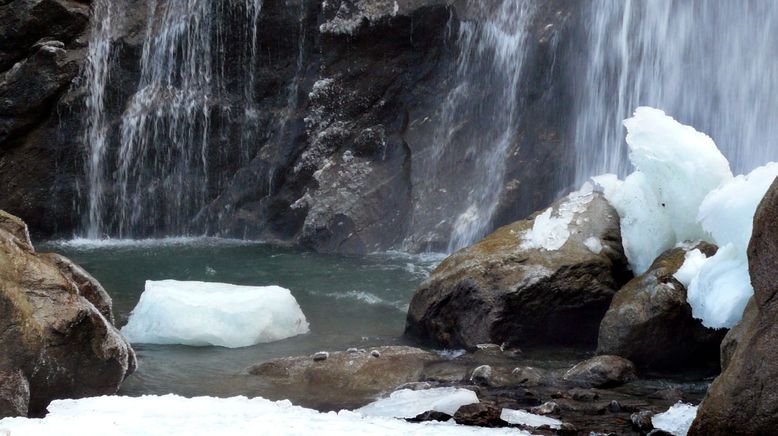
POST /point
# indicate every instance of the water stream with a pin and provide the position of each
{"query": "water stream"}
(710, 64)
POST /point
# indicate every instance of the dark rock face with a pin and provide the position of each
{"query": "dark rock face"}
(503, 290)
(735, 336)
(602, 371)
(650, 323)
(742, 399)
(336, 167)
(51, 332)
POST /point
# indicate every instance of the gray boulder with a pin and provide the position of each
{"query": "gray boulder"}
(650, 323)
(601, 371)
(547, 280)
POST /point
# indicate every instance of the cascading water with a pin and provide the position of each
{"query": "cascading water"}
(710, 64)
(486, 96)
(158, 177)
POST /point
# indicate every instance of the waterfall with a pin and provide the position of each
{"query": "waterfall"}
(486, 97)
(710, 64)
(159, 177)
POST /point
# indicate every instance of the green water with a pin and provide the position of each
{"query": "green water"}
(349, 301)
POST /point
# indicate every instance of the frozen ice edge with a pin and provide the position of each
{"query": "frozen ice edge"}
(175, 415)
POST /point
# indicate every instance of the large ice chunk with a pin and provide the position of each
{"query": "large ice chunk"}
(677, 420)
(675, 169)
(407, 403)
(201, 314)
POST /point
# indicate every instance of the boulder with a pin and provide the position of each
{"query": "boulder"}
(480, 415)
(650, 322)
(345, 379)
(601, 371)
(735, 336)
(545, 280)
(742, 400)
(52, 333)
(15, 227)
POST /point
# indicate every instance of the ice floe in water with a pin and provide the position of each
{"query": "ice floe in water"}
(677, 420)
(522, 417)
(206, 416)
(407, 403)
(201, 314)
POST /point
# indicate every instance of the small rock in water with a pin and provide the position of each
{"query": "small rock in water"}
(320, 356)
(352, 351)
(482, 375)
(582, 394)
(641, 421)
(375, 354)
(430, 415)
(601, 371)
(547, 408)
(362, 350)
(614, 407)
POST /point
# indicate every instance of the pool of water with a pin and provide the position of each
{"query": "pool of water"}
(350, 301)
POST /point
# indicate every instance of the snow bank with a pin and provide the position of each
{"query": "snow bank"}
(677, 420)
(201, 314)
(675, 168)
(551, 229)
(521, 417)
(204, 416)
(407, 403)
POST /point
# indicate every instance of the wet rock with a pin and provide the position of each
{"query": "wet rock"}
(344, 380)
(321, 356)
(601, 371)
(482, 375)
(375, 353)
(650, 323)
(529, 376)
(507, 289)
(480, 415)
(53, 334)
(430, 415)
(579, 394)
(547, 408)
(742, 399)
(14, 394)
(614, 407)
(641, 421)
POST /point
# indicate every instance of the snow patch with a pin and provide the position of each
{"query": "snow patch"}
(677, 420)
(202, 314)
(720, 291)
(551, 229)
(407, 403)
(206, 416)
(594, 245)
(520, 417)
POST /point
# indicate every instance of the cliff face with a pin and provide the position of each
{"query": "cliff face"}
(347, 99)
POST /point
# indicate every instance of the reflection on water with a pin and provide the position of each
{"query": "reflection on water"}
(350, 301)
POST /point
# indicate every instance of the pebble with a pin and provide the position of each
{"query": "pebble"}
(320, 356)
(375, 353)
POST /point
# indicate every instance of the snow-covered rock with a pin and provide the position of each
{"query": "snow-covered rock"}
(676, 420)
(202, 314)
(407, 403)
(205, 416)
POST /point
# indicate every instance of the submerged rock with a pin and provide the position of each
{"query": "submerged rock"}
(601, 371)
(742, 399)
(51, 332)
(650, 322)
(547, 280)
(346, 379)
